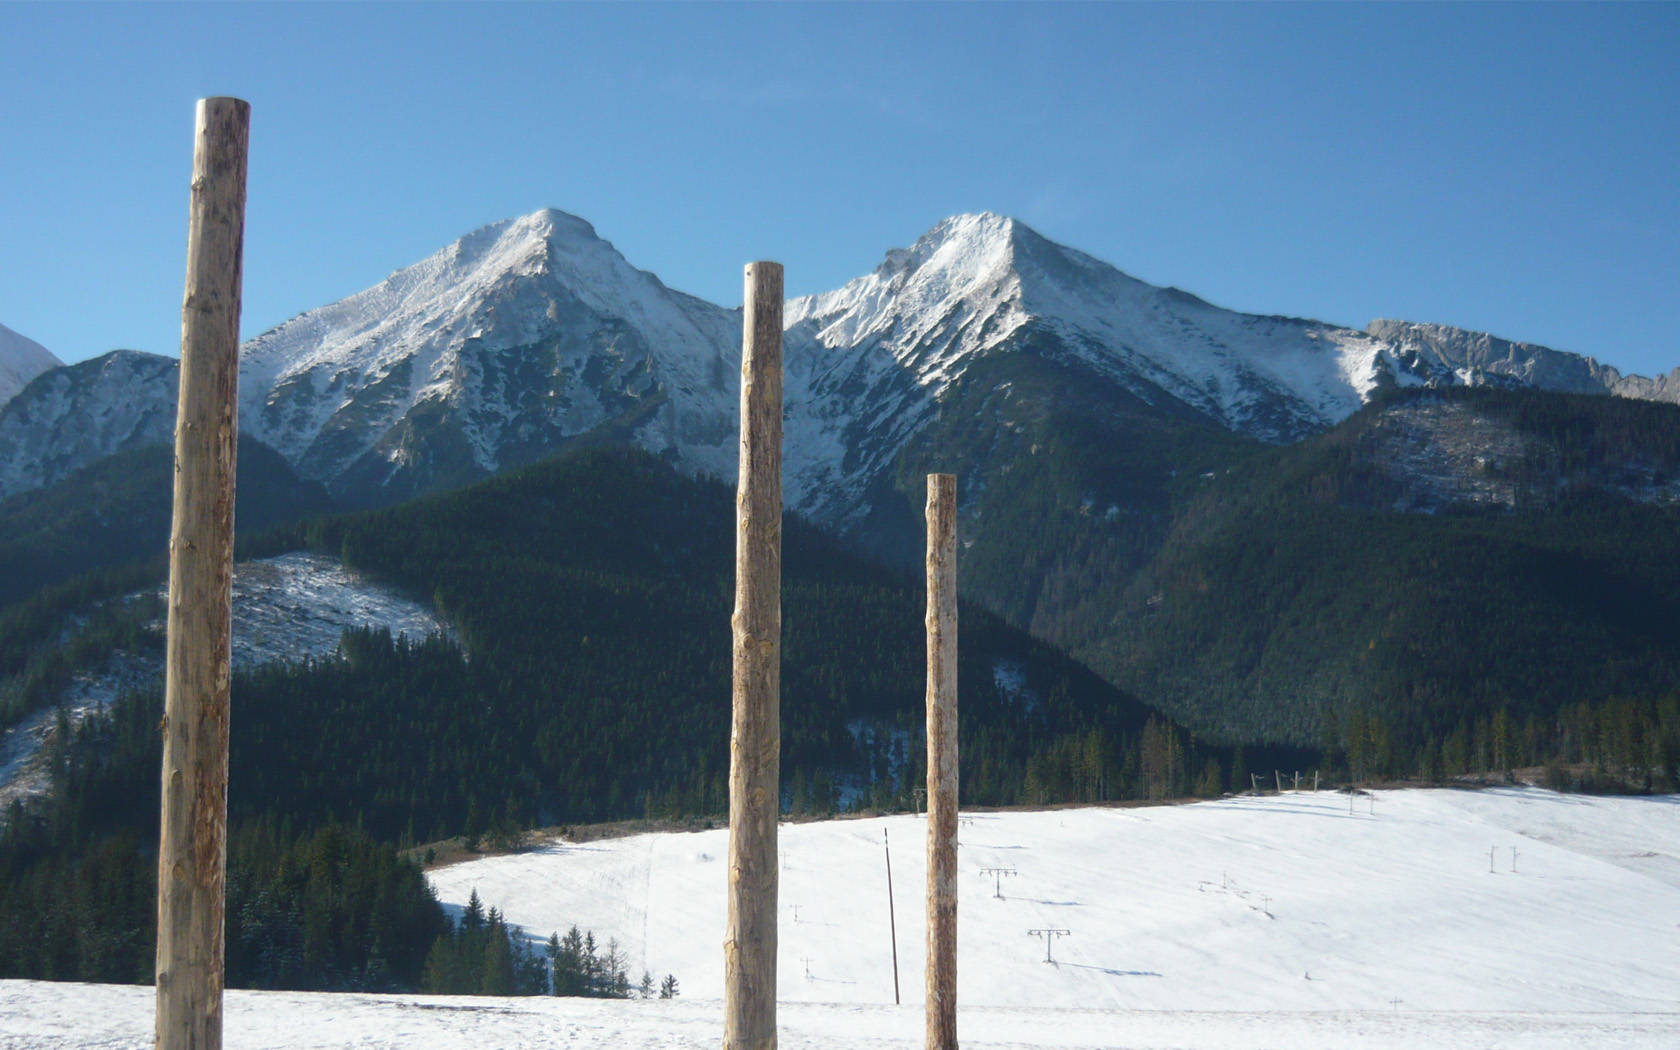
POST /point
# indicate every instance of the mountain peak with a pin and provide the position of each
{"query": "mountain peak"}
(21, 359)
(973, 242)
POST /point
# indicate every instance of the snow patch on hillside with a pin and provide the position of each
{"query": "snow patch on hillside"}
(288, 608)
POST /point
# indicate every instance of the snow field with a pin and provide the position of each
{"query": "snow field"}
(1251, 904)
(37, 1015)
(1281, 921)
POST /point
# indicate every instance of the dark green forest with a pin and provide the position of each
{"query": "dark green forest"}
(1257, 592)
(1290, 597)
(591, 594)
(1291, 606)
(116, 510)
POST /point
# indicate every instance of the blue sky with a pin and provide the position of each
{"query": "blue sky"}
(1511, 168)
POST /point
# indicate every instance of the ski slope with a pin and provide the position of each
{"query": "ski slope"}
(1283, 902)
(1279, 921)
(42, 1016)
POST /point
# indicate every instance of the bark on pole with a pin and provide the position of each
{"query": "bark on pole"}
(941, 997)
(755, 739)
(192, 846)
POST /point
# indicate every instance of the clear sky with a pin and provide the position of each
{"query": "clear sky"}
(1511, 168)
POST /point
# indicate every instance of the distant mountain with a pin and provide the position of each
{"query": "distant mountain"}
(1086, 413)
(21, 359)
(117, 510)
(1450, 356)
(74, 415)
(1438, 558)
(517, 340)
(534, 334)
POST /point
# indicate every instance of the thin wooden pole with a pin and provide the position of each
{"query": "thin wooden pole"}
(941, 988)
(192, 843)
(749, 947)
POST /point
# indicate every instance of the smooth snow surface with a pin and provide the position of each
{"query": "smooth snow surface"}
(42, 1016)
(1256, 922)
(1276, 903)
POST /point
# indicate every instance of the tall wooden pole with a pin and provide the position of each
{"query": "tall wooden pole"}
(755, 739)
(192, 846)
(941, 993)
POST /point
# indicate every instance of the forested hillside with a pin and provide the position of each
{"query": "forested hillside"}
(591, 594)
(1340, 582)
(1443, 562)
(116, 511)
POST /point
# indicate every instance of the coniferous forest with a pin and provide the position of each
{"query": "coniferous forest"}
(1286, 600)
(590, 682)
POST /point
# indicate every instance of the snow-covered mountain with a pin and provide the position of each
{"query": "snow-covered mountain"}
(70, 416)
(534, 333)
(504, 346)
(975, 281)
(21, 359)
(889, 344)
(1454, 356)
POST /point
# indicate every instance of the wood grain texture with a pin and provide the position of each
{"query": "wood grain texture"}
(941, 988)
(755, 739)
(192, 845)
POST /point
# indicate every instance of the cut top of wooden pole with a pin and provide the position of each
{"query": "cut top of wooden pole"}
(941, 984)
(749, 947)
(192, 843)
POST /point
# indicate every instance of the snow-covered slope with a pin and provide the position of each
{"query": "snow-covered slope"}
(1454, 356)
(287, 608)
(1276, 922)
(1286, 902)
(70, 416)
(39, 1015)
(21, 359)
(492, 352)
(974, 281)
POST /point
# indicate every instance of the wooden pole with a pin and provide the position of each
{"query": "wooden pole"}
(192, 844)
(749, 947)
(941, 987)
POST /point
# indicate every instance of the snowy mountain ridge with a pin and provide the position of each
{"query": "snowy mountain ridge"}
(974, 281)
(533, 328)
(75, 414)
(533, 333)
(21, 359)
